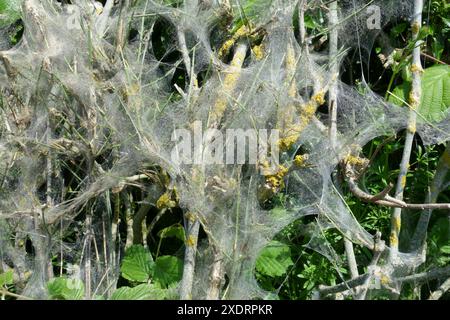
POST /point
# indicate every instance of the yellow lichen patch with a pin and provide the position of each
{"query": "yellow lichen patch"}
(309, 110)
(290, 63)
(191, 241)
(292, 92)
(190, 216)
(165, 201)
(290, 59)
(226, 47)
(238, 60)
(413, 100)
(300, 160)
(265, 167)
(258, 51)
(229, 83)
(275, 181)
(412, 128)
(416, 68)
(287, 142)
(241, 32)
(319, 98)
(385, 280)
(397, 223)
(403, 181)
(393, 240)
(415, 27)
(355, 161)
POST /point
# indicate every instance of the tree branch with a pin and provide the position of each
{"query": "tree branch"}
(415, 96)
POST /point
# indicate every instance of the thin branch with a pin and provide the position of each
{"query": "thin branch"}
(193, 226)
(443, 288)
(216, 277)
(423, 277)
(416, 278)
(14, 295)
(378, 250)
(384, 199)
(415, 97)
(333, 106)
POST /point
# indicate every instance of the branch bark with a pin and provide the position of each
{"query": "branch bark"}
(333, 105)
(443, 288)
(414, 101)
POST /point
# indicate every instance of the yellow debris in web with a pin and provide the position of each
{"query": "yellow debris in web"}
(191, 241)
(258, 51)
(300, 160)
(165, 201)
(319, 98)
(355, 161)
(227, 45)
(275, 181)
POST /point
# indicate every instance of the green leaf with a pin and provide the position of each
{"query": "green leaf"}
(10, 11)
(256, 12)
(400, 93)
(398, 29)
(175, 230)
(137, 265)
(274, 259)
(168, 269)
(6, 278)
(446, 21)
(66, 289)
(445, 249)
(435, 92)
(141, 292)
(435, 99)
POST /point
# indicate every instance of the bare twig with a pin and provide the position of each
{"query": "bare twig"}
(415, 96)
(384, 199)
(378, 250)
(216, 277)
(332, 105)
(415, 278)
(14, 295)
(193, 226)
(443, 288)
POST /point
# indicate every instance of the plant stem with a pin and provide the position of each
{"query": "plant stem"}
(332, 105)
(189, 258)
(414, 98)
(443, 288)
(193, 225)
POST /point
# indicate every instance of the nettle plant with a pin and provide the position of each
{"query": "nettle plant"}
(94, 206)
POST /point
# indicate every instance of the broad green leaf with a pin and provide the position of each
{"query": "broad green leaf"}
(445, 249)
(435, 92)
(435, 99)
(6, 278)
(175, 230)
(10, 11)
(137, 265)
(400, 94)
(66, 289)
(274, 259)
(141, 292)
(168, 269)
(446, 21)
